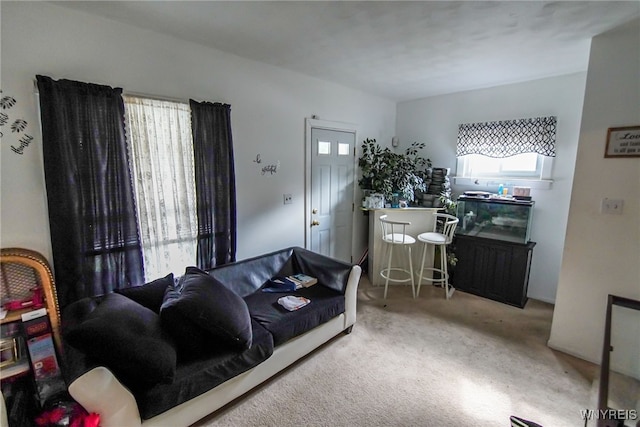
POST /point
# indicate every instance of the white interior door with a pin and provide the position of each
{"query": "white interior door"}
(332, 184)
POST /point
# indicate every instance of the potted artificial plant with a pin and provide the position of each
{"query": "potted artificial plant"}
(386, 172)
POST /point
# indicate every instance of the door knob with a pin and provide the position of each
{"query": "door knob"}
(314, 211)
(315, 222)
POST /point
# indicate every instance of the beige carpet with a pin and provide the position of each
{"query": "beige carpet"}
(468, 361)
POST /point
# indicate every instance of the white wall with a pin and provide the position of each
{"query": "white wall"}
(269, 107)
(435, 121)
(602, 252)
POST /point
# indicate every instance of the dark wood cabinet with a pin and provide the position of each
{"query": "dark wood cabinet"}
(493, 269)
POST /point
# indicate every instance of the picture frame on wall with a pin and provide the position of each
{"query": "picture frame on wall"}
(623, 142)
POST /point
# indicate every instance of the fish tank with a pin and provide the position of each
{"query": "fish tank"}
(497, 218)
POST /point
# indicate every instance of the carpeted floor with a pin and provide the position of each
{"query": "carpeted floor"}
(468, 361)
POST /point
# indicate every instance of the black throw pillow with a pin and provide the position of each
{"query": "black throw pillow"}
(150, 294)
(191, 340)
(76, 312)
(128, 339)
(202, 309)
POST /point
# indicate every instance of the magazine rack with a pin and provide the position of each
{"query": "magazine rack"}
(29, 334)
(22, 271)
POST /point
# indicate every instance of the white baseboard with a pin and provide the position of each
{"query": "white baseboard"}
(618, 369)
(571, 352)
(547, 300)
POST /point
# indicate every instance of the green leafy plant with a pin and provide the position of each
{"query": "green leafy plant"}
(386, 172)
(448, 203)
(450, 206)
(452, 259)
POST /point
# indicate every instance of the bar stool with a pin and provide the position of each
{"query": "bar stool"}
(394, 234)
(442, 235)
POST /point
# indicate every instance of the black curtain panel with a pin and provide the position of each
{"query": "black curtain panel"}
(215, 183)
(92, 214)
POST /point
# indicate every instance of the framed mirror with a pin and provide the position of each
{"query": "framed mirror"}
(619, 389)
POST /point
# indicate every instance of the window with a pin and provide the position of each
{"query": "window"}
(527, 165)
(514, 149)
(91, 139)
(162, 167)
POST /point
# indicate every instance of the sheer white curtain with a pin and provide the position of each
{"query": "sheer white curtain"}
(161, 157)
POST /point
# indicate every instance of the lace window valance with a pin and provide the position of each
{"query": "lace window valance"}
(508, 138)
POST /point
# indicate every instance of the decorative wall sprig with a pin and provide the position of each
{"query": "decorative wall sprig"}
(17, 126)
(7, 102)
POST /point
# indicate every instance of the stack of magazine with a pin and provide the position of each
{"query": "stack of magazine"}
(289, 283)
(302, 280)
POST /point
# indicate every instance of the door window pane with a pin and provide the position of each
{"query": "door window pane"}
(343, 149)
(324, 147)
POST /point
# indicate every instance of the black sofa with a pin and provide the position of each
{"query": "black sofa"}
(174, 350)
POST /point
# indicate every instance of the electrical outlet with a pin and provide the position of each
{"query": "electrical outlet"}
(612, 206)
(288, 199)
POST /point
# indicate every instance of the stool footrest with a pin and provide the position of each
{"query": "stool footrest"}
(385, 273)
(444, 277)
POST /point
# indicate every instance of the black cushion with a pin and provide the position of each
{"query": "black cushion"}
(264, 308)
(76, 312)
(202, 314)
(196, 376)
(150, 294)
(191, 340)
(128, 339)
